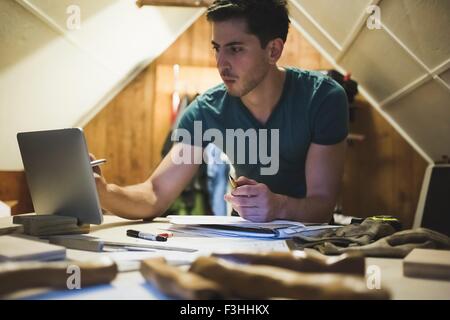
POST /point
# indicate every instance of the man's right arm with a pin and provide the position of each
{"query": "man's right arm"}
(152, 197)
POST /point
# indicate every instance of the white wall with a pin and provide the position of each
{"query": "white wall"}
(403, 67)
(53, 77)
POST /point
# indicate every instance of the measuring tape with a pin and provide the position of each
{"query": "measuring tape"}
(393, 221)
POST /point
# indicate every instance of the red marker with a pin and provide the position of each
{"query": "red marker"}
(166, 234)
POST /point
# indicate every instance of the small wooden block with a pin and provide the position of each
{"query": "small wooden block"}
(47, 225)
(15, 276)
(15, 248)
(427, 263)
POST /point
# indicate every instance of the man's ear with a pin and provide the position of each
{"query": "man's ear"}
(275, 49)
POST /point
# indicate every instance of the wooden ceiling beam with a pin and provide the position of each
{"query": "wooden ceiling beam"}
(174, 3)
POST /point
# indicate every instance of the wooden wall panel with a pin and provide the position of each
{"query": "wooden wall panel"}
(192, 48)
(14, 189)
(383, 174)
(299, 52)
(191, 81)
(122, 131)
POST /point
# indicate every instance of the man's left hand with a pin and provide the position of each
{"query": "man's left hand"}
(254, 201)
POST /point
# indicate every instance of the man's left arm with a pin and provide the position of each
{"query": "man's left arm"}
(324, 167)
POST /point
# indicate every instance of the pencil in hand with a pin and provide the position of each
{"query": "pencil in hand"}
(232, 182)
(98, 162)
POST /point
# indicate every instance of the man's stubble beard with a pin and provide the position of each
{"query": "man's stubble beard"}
(249, 86)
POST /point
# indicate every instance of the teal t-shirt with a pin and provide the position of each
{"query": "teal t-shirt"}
(312, 109)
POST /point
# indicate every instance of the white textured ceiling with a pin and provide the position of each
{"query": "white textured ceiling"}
(403, 68)
(52, 76)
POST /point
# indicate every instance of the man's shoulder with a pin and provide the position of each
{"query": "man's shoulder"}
(314, 80)
(314, 88)
(213, 94)
(212, 101)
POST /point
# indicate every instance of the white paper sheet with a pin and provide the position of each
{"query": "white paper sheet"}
(224, 220)
(208, 226)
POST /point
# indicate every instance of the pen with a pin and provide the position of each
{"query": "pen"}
(144, 235)
(232, 181)
(234, 184)
(97, 162)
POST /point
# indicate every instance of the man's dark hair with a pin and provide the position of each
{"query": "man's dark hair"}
(266, 19)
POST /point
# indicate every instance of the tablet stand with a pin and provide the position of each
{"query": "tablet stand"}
(47, 225)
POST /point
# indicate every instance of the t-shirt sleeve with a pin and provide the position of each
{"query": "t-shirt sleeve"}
(189, 127)
(330, 121)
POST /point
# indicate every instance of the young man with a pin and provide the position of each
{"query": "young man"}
(307, 111)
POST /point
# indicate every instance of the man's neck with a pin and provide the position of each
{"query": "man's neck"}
(262, 100)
